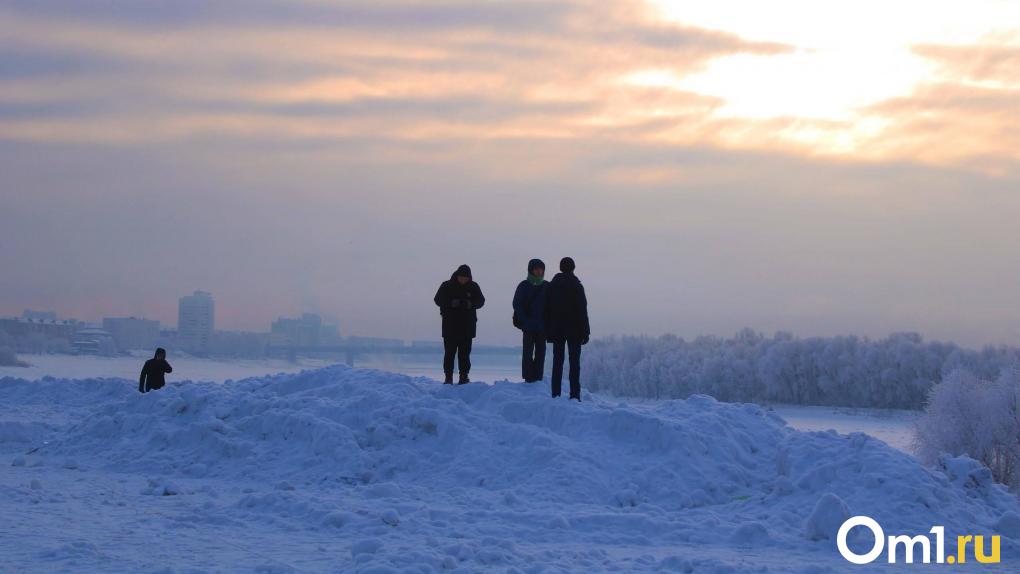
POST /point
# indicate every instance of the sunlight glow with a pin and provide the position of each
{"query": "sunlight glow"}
(846, 57)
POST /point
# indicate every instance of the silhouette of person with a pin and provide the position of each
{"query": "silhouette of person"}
(567, 325)
(155, 368)
(529, 316)
(458, 300)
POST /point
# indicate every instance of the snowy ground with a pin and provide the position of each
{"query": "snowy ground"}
(340, 470)
(893, 427)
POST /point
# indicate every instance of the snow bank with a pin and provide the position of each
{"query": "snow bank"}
(408, 471)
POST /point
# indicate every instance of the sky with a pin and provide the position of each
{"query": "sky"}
(815, 167)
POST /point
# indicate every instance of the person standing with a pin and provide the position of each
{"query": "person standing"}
(152, 377)
(529, 316)
(458, 300)
(567, 325)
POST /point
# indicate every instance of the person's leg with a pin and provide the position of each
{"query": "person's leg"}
(527, 363)
(538, 373)
(464, 358)
(557, 367)
(574, 348)
(449, 350)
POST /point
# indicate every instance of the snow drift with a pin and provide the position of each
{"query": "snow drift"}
(383, 472)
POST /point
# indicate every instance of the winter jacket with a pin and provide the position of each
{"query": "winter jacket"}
(152, 374)
(457, 304)
(567, 309)
(530, 305)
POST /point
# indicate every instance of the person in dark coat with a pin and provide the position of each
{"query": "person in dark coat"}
(529, 316)
(155, 368)
(567, 325)
(458, 300)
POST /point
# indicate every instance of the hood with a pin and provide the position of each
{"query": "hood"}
(462, 270)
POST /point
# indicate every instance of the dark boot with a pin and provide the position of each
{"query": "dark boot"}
(449, 379)
(464, 380)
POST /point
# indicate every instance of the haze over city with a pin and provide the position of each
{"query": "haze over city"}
(792, 165)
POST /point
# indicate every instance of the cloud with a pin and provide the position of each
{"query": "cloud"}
(968, 116)
(389, 14)
(997, 63)
(406, 69)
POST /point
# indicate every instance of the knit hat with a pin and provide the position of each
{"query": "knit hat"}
(535, 263)
(567, 265)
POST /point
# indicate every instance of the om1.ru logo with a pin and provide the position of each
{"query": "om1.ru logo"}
(909, 544)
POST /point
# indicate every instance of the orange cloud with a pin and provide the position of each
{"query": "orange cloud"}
(569, 77)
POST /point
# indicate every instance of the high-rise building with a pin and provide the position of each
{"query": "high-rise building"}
(195, 322)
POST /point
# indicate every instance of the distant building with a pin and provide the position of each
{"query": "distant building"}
(47, 328)
(330, 335)
(195, 322)
(304, 331)
(239, 344)
(39, 315)
(132, 333)
(93, 341)
(297, 332)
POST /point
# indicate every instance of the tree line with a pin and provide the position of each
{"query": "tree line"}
(898, 371)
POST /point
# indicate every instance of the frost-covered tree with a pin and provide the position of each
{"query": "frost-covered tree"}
(896, 372)
(976, 417)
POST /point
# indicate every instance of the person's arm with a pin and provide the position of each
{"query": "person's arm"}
(445, 299)
(166, 367)
(441, 298)
(480, 299)
(582, 309)
(519, 298)
(141, 381)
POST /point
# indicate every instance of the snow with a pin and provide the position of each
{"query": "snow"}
(895, 427)
(342, 469)
(128, 367)
(829, 514)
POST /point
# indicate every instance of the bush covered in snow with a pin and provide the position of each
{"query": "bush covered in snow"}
(9, 359)
(895, 372)
(978, 418)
